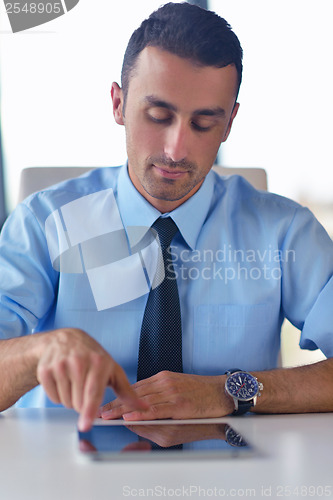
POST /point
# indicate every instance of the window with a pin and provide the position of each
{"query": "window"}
(286, 102)
(56, 78)
(55, 88)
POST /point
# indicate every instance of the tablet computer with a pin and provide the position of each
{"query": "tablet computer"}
(119, 440)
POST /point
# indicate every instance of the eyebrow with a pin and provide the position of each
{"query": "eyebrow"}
(159, 103)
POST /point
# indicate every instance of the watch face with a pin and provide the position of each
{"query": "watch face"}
(234, 438)
(242, 385)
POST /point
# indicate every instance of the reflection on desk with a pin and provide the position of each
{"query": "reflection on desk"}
(167, 440)
(40, 461)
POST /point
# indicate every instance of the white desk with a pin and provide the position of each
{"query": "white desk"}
(39, 461)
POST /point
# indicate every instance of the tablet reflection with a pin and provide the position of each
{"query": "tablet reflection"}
(154, 437)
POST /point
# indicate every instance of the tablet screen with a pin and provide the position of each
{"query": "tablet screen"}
(154, 440)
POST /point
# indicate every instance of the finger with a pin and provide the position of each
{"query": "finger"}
(116, 409)
(127, 399)
(125, 391)
(63, 384)
(137, 446)
(142, 389)
(45, 378)
(93, 392)
(114, 413)
(78, 373)
(154, 412)
(149, 391)
(163, 435)
(85, 446)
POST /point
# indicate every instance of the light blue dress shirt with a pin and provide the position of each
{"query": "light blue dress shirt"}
(76, 255)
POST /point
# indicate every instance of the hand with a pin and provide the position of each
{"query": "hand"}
(176, 396)
(86, 446)
(75, 370)
(174, 434)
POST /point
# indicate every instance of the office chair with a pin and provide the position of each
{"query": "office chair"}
(37, 178)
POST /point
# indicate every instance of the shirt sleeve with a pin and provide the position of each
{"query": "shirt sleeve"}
(27, 279)
(307, 283)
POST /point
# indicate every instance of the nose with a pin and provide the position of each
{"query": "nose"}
(177, 142)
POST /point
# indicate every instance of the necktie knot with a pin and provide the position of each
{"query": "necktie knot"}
(166, 229)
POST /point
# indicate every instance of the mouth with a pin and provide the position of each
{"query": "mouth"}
(169, 173)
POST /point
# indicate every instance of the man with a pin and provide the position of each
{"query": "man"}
(71, 256)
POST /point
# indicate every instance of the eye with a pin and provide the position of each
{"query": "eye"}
(159, 115)
(202, 123)
(199, 128)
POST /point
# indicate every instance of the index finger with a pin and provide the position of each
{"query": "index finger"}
(94, 391)
(92, 396)
(125, 392)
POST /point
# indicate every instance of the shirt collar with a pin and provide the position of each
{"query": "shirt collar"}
(135, 210)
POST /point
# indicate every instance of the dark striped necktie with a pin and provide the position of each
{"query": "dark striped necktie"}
(160, 345)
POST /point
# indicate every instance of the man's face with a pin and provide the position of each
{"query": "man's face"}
(176, 116)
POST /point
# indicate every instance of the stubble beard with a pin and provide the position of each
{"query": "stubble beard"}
(169, 189)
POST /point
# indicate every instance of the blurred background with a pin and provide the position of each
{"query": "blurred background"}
(55, 106)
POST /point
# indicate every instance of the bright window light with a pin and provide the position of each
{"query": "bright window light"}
(55, 88)
(286, 102)
(56, 80)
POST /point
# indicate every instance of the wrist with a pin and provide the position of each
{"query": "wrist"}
(243, 388)
(227, 401)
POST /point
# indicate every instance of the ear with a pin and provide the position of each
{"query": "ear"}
(233, 115)
(117, 103)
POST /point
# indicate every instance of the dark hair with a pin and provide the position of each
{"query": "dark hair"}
(187, 31)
